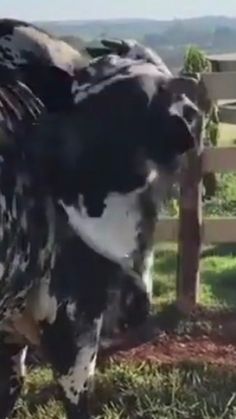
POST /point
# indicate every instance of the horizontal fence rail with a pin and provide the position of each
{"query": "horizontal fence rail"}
(223, 62)
(220, 85)
(219, 159)
(217, 230)
(212, 230)
(227, 113)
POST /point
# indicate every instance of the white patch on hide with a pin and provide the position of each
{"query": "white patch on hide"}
(74, 382)
(51, 225)
(18, 368)
(15, 264)
(147, 274)
(21, 182)
(41, 303)
(19, 262)
(177, 108)
(114, 234)
(153, 176)
(18, 361)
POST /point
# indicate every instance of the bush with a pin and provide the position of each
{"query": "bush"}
(224, 201)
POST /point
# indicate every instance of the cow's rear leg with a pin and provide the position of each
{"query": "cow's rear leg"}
(71, 345)
(12, 371)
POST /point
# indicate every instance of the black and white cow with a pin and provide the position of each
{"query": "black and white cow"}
(44, 62)
(37, 58)
(71, 192)
(131, 306)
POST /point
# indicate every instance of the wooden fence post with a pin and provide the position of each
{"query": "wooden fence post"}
(190, 228)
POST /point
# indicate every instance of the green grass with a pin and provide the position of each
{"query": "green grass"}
(151, 392)
(147, 392)
(38, 400)
(218, 275)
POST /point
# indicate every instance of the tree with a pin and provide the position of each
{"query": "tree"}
(196, 61)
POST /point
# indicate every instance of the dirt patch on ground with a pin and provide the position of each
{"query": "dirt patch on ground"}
(204, 336)
(172, 349)
(171, 338)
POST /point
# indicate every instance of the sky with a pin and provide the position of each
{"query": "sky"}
(104, 9)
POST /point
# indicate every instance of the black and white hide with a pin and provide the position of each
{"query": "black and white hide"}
(44, 62)
(34, 56)
(130, 305)
(129, 48)
(71, 215)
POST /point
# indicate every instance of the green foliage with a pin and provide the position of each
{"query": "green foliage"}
(224, 201)
(195, 60)
(212, 128)
(172, 207)
(212, 132)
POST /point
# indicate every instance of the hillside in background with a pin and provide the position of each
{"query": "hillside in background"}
(116, 28)
(214, 34)
(137, 28)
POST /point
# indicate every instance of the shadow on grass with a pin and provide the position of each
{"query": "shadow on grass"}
(166, 261)
(222, 285)
(164, 273)
(225, 249)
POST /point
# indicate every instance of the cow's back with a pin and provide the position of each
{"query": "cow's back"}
(40, 60)
(24, 43)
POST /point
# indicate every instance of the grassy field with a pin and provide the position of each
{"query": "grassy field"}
(146, 391)
(218, 275)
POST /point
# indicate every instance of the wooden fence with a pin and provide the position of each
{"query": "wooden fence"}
(191, 230)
